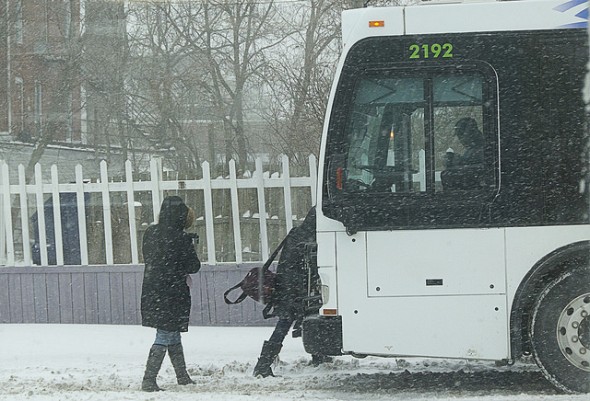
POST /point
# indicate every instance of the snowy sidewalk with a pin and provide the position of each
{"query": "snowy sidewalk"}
(100, 362)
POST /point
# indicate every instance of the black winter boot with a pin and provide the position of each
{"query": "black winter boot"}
(267, 356)
(318, 359)
(176, 354)
(152, 367)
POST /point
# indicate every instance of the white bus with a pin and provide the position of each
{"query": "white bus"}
(452, 205)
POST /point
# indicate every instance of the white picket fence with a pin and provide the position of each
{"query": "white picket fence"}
(16, 200)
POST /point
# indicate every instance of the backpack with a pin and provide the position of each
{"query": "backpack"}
(258, 283)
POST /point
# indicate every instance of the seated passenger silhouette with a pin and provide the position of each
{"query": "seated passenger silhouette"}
(465, 171)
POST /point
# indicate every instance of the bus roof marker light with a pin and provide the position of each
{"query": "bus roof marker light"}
(377, 24)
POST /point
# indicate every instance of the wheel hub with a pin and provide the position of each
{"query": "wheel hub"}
(573, 332)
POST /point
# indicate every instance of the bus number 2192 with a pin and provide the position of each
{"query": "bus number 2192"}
(434, 50)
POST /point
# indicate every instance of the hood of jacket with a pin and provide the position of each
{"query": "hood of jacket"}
(173, 213)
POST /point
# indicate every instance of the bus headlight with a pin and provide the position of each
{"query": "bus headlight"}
(325, 291)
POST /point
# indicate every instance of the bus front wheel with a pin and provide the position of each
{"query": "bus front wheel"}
(560, 331)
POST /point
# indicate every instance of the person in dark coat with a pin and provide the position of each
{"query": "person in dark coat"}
(465, 171)
(169, 256)
(289, 290)
(471, 138)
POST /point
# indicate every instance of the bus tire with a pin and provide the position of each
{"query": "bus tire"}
(560, 331)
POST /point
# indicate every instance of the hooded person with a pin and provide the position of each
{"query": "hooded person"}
(289, 290)
(169, 256)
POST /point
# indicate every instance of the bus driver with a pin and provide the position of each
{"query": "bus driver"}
(462, 170)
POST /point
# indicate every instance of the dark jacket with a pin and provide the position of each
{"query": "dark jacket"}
(169, 256)
(291, 280)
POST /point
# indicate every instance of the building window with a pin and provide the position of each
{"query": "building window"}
(38, 108)
(46, 21)
(67, 19)
(20, 102)
(69, 119)
(18, 25)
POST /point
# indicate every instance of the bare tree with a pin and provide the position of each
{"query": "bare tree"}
(164, 82)
(233, 50)
(299, 78)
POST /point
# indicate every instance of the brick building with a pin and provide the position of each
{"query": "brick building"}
(40, 90)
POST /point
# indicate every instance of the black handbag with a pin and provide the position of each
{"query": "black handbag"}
(258, 283)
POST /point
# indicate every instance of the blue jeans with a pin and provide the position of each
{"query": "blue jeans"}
(167, 338)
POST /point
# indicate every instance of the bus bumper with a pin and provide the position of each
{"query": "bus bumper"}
(322, 335)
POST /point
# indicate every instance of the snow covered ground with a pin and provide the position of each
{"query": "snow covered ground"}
(100, 362)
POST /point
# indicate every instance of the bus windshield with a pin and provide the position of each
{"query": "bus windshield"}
(395, 120)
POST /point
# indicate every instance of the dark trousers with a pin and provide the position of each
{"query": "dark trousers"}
(281, 329)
